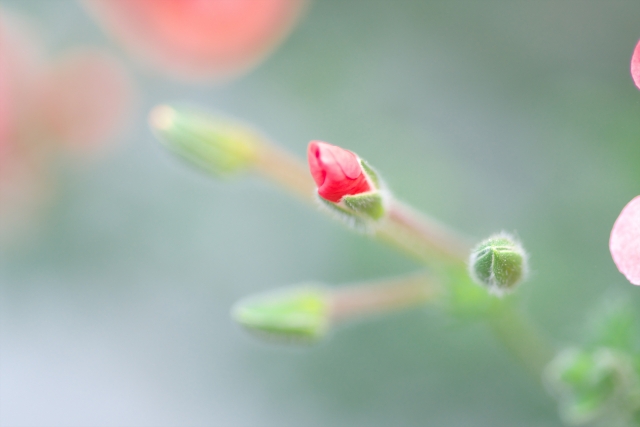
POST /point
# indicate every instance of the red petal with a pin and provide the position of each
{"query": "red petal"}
(336, 171)
(347, 161)
(313, 156)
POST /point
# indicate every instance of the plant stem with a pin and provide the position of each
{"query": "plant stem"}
(424, 239)
(382, 296)
(285, 170)
(520, 337)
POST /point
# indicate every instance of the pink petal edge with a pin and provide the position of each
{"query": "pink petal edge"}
(635, 65)
(624, 242)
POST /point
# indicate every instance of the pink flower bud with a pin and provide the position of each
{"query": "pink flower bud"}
(624, 243)
(336, 171)
(635, 65)
(202, 39)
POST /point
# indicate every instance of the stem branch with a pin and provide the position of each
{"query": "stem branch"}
(424, 239)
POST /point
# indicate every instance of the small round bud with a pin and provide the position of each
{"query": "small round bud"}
(499, 263)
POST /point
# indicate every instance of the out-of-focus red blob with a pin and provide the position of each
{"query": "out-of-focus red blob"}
(635, 65)
(198, 39)
(624, 242)
(75, 102)
(84, 99)
(22, 170)
(336, 171)
(6, 113)
(21, 65)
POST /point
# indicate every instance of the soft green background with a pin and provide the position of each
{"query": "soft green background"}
(490, 115)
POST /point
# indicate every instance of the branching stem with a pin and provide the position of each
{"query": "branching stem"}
(424, 239)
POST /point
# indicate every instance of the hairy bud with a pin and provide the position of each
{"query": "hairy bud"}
(499, 263)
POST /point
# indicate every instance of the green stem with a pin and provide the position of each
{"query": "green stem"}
(285, 170)
(516, 332)
(422, 237)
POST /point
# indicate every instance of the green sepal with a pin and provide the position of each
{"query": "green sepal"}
(369, 204)
(351, 219)
(298, 314)
(371, 174)
(210, 142)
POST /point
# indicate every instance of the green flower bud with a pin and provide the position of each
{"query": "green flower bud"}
(499, 263)
(297, 314)
(214, 143)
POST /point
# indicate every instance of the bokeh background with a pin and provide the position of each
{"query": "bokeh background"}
(493, 115)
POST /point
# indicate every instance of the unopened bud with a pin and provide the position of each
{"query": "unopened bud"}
(346, 184)
(499, 263)
(296, 314)
(214, 143)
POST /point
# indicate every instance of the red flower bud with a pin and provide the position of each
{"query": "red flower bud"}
(336, 171)
(625, 241)
(635, 65)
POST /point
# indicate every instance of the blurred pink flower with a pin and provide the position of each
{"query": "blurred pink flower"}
(22, 172)
(624, 242)
(201, 39)
(75, 103)
(20, 70)
(85, 99)
(635, 65)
